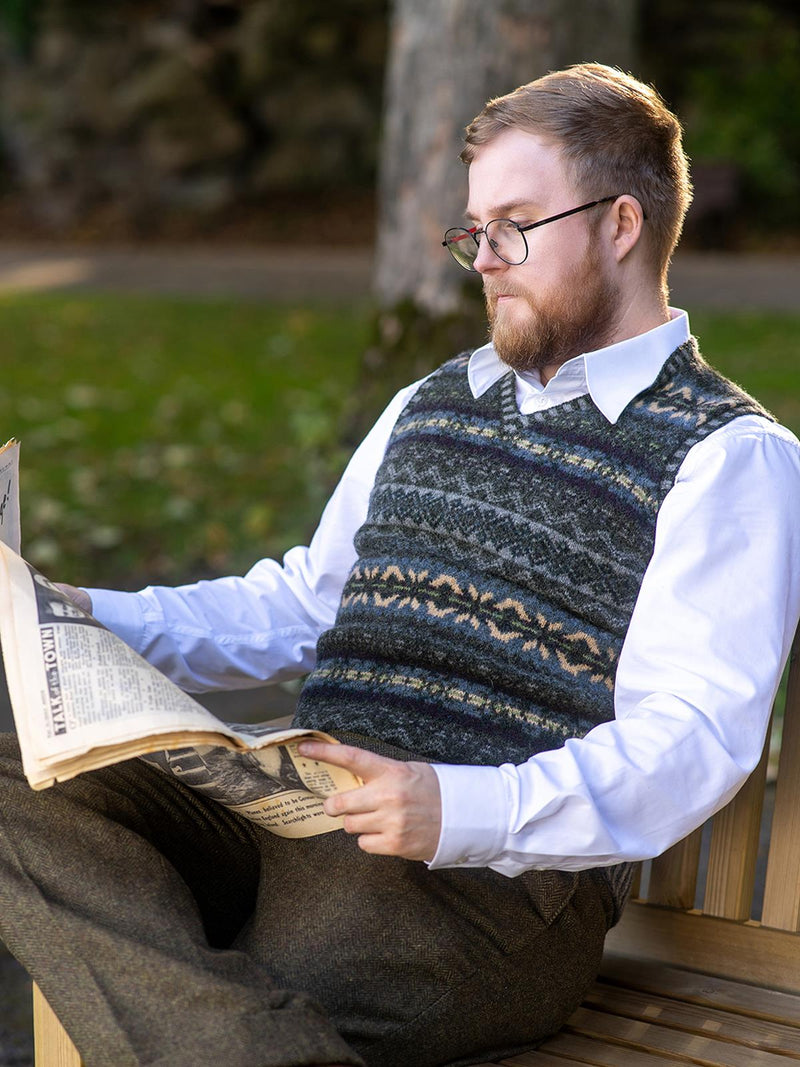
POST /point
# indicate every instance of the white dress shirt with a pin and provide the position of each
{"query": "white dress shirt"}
(698, 671)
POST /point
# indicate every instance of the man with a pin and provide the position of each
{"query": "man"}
(546, 611)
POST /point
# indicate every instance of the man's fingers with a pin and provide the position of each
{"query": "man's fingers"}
(352, 802)
(375, 844)
(78, 596)
(365, 764)
(396, 812)
(368, 823)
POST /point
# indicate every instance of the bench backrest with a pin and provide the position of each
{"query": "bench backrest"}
(743, 923)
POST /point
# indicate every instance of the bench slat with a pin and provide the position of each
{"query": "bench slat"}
(673, 874)
(693, 1018)
(713, 946)
(691, 987)
(782, 886)
(650, 1036)
(52, 1043)
(564, 1049)
(730, 882)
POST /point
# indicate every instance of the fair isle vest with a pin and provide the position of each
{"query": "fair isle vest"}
(500, 562)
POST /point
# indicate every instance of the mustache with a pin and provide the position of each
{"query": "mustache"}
(493, 289)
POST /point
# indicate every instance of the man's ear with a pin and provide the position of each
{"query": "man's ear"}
(627, 218)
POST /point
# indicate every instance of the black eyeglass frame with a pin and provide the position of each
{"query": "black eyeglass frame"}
(476, 230)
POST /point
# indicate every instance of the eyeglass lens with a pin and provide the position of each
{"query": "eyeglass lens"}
(504, 238)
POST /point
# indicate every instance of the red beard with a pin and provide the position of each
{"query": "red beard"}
(581, 318)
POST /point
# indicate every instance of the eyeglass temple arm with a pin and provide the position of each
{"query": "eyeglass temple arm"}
(532, 226)
(572, 211)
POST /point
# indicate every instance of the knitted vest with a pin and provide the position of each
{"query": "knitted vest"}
(500, 562)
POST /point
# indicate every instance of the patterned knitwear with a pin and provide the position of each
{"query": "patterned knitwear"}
(500, 562)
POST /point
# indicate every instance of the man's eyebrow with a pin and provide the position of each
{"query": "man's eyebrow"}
(502, 211)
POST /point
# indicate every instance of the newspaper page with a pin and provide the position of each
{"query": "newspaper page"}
(9, 495)
(275, 786)
(83, 699)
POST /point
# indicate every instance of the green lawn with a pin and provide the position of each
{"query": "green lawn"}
(759, 351)
(166, 439)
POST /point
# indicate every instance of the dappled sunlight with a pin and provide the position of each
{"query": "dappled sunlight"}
(45, 273)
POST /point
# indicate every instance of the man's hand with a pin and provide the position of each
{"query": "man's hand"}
(77, 596)
(398, 810)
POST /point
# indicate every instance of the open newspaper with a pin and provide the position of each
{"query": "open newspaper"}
(83, 699)
(9, 494)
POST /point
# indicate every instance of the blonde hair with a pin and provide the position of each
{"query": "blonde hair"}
(616, 135)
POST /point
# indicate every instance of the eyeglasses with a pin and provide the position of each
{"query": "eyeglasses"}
(506, 238)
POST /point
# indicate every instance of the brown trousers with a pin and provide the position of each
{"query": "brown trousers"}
(166, 930)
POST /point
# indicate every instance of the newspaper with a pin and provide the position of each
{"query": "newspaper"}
(83, 699)
(9, 494)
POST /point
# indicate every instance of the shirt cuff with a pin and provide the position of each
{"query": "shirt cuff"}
(474, 815)
(122, 613)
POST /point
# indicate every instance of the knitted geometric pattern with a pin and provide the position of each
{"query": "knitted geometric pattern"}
(500, 562)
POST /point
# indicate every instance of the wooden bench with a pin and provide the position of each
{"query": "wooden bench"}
(707, 985)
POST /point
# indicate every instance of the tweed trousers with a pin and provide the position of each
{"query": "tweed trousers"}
(166, 930)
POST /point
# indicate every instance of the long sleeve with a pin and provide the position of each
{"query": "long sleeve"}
(697, 675)
(240, 632)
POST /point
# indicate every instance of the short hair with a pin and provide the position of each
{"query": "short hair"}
(616, 135)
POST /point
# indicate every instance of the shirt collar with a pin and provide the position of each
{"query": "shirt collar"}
(612, 376)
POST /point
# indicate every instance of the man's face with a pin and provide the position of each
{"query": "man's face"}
(562, 300)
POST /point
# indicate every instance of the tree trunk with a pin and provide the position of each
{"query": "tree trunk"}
(446, 58)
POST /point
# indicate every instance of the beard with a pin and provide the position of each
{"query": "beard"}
(581, 317)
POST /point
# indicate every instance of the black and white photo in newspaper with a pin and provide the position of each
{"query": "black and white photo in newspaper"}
(275, 787)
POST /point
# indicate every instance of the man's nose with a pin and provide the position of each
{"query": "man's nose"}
(487, 261)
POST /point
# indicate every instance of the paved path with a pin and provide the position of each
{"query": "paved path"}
(250, 273)
(698, 279)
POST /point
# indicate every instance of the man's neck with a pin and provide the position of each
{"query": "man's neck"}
(635, 318)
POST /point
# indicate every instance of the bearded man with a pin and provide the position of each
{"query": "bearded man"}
(546, 612)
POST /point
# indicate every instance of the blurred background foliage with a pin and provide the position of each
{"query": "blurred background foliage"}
(731, 69)
(260, 120)
(256, 120)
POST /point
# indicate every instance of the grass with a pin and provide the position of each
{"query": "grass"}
(167, 439)
(760, 351)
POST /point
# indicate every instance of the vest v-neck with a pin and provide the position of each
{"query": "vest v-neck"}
(505, 391)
